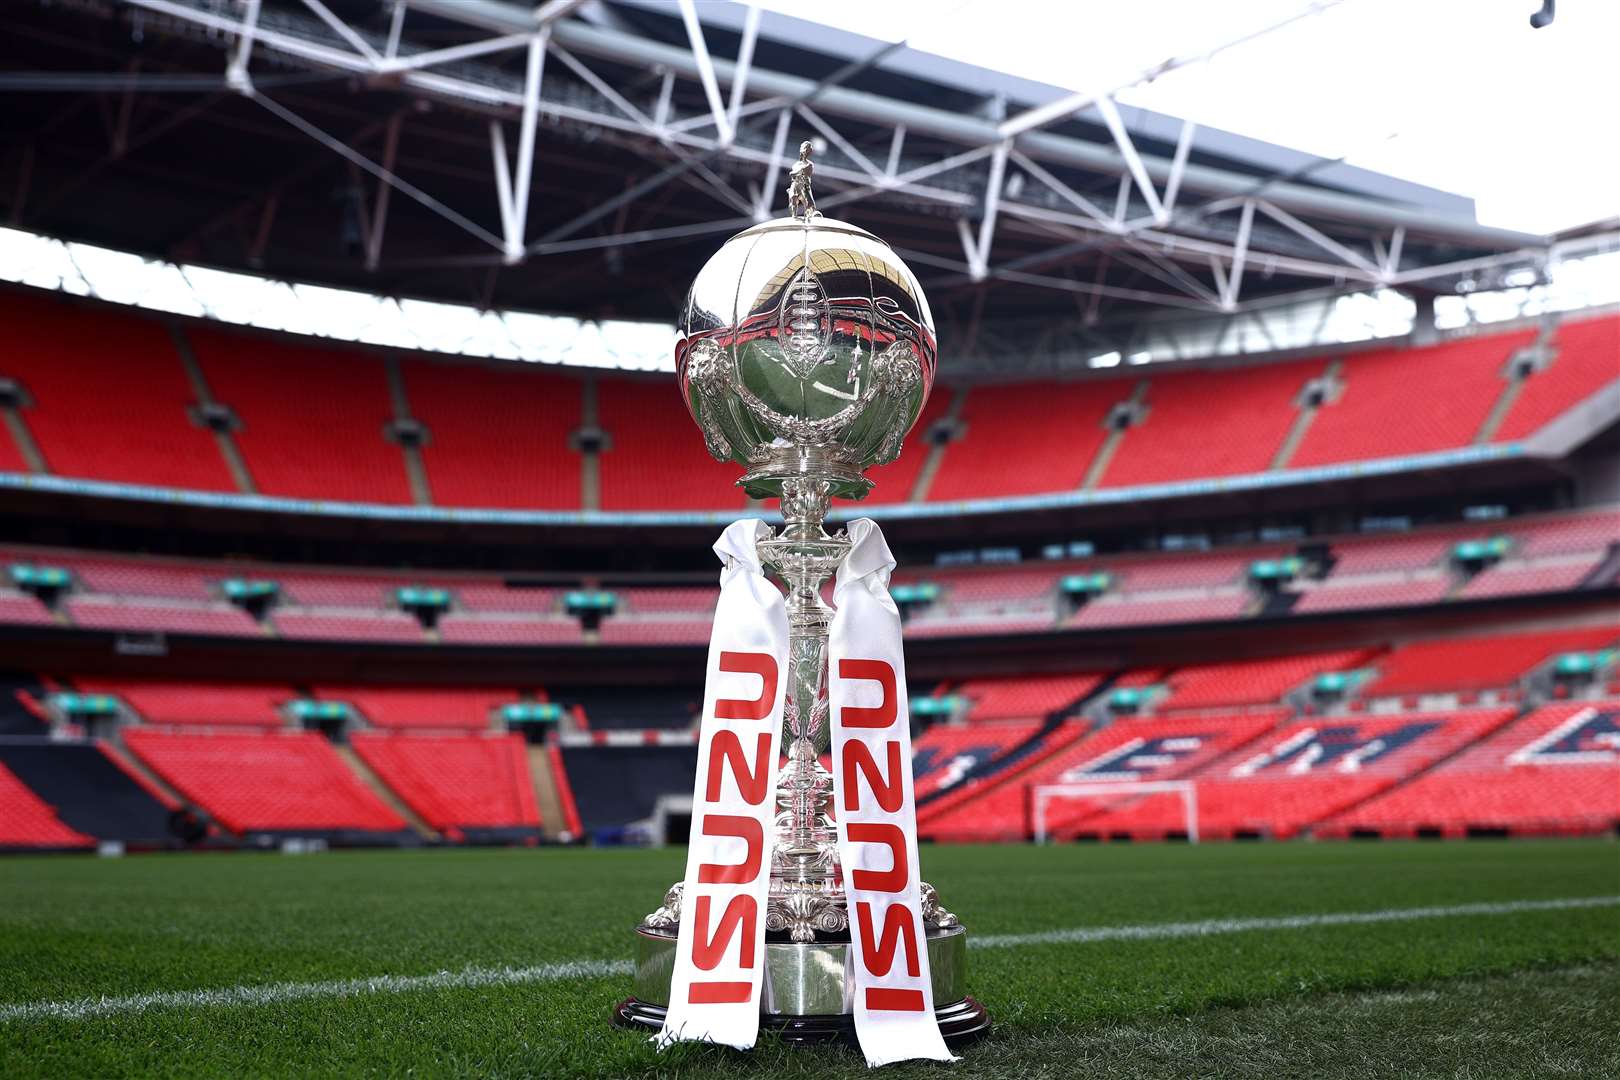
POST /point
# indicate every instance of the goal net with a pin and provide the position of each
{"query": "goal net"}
(1114, 793)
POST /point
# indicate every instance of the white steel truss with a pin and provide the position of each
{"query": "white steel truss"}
(1197, 220)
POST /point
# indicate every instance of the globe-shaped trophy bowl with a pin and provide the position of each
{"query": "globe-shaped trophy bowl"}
(806, 349)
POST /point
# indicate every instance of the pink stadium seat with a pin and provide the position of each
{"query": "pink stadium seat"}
(656, 458)
(1555, 771)
(1127, 750)
(334, 624)
(894, 481)
(1587, 360)
(195, 702)
(1026, 439)
(699, 600)
(619, 630)
(456, 782)
(967, 625)
(312, 416)
(1161, 608)
(282, 781)
(1211, 423)
(105, 613)
(27, 821)
(498, 436)
(110, 394)
(1253, 682)
(1282, 783)
(338, 590)
(1593, 531)
(1024, 697)
(1372, 592)
(494, 630)
(138, 577)
(1478, 663)
(1376, 554)
(1457, 381)
(494, 597)
(1543, 575)
(403, 707)
(21, 609)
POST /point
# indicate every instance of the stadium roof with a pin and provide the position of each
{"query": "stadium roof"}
(384, 147)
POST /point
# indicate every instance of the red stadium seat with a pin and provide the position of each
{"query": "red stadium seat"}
(1252, 682)
(1555, 771)
(1477, 663)
(1026, 439)
(312, 416)
(1284, 782)
(158, 702)
(478, 416)
(1587, 360)
(1228, 422)
(656, 457)
(1127, 750)
(26, 821)
(110, 394)
(456, 782)
(893, 482)
(280, 782)
(1458, 382)
(415, 707)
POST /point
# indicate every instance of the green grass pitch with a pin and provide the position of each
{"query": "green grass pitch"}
(1532, 992)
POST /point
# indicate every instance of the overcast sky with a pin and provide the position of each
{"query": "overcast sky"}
(1459, 94)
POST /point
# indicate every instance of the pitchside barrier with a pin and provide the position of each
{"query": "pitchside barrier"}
(1044, 793)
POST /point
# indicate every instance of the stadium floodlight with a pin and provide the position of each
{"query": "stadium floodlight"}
(1044, 794)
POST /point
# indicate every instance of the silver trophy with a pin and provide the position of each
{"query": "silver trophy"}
(806, 352)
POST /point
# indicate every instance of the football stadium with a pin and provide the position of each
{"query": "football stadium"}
(1168, 540)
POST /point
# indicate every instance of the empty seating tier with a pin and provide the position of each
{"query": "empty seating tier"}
(457, 783)
(254, 704)
(1477, 663)
(418, 707)
(109, 392)
(1587, 359)
(1457, 382)
(282, 782)
(497, 437)
(1555, 771)
(1282, 783)
(313, 418)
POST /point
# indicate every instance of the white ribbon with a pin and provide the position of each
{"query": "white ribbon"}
(877, 810)
(720, 951)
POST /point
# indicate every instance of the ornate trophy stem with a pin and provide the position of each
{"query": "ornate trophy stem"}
(806, 891)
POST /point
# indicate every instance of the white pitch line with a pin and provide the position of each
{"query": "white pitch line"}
(276, 993)
(1153, 931)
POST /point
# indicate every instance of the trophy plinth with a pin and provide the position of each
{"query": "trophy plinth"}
(806, 353)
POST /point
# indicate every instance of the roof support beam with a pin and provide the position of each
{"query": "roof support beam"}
(745, 61)
(379, 213)
(1240, 255)
(344, 31)
(711, 85)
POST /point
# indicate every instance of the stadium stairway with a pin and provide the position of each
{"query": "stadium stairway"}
(547, 790)
(368, 776)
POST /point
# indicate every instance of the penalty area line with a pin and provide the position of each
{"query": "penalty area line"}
(277, 993)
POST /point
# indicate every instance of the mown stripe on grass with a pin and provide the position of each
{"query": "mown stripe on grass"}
(1155, 931)
(277, 993)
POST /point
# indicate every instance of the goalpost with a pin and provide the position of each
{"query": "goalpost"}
(1187, 789)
